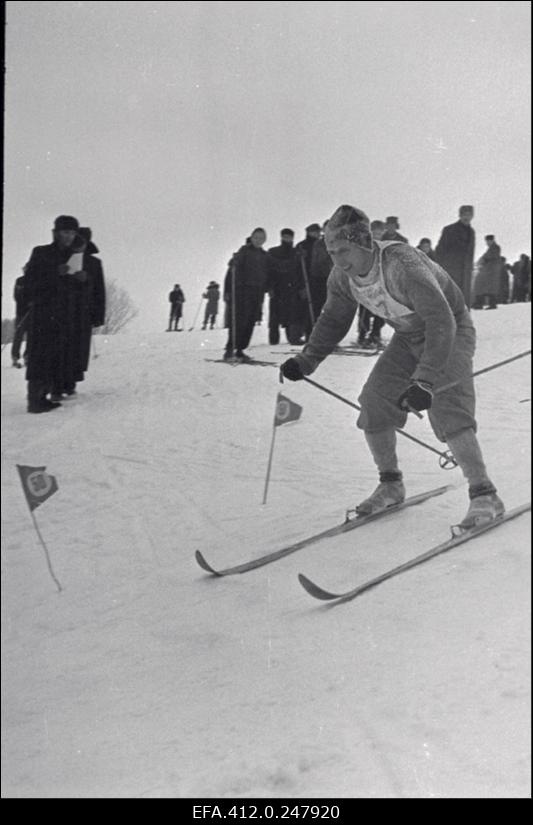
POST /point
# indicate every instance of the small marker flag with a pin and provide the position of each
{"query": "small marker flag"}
(37, 485)
(286, 410)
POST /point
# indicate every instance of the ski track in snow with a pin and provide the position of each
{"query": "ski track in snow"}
(145, 678)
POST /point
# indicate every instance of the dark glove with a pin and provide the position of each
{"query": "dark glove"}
(62, 269)
(291, 369)
(417, 397)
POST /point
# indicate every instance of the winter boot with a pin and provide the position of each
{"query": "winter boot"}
(389, 491)
(485, 506)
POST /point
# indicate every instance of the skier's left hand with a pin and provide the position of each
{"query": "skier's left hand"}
(291, 369)
(418, 396)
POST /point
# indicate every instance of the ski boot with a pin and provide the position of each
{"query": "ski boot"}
(389, 491)
(485, 506)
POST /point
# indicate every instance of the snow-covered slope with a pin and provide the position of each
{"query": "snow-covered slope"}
(146, 678)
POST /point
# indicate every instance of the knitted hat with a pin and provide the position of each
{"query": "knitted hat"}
(287, 232)
(313, 227)
(351, 224)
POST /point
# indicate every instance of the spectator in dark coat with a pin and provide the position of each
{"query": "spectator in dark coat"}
(505, 281)
(487, 281)
(304, 250)
(88, 306)
(521, 270)
(392, 225)
(244, 292)
(321, 266)
(212, 295)
(455, 251)
(21, 317)
(48, 290)
(176, 299)
(283, 283)
(425, 246)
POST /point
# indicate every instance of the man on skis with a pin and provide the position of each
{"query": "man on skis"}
(433, 345)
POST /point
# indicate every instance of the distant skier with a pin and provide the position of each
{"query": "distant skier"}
(212, 294)
(177, 299)
(433, 344)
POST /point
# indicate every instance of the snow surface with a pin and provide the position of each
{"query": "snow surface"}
(147, 678)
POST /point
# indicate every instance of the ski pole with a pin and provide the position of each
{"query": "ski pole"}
(446, 460)
(480, 372)
(197, 314)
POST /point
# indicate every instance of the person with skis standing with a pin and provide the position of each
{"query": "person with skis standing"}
(433, 345)
(212, 295)
(176, 299)
(244, 290)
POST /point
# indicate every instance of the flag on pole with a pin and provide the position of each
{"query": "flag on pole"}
(286, 410)
(37, 485)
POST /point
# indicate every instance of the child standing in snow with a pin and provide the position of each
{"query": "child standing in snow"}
(433, 345)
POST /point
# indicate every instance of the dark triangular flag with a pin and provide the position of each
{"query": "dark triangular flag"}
(37, 485)
(286, 410)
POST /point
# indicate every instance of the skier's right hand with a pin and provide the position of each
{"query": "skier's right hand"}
(291, 369)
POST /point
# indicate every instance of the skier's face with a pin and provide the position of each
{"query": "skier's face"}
(355, 260)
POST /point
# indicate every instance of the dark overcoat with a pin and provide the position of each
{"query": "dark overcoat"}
(455, 253)
(487, 280)
(50, 324)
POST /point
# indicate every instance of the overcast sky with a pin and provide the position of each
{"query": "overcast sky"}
(175, 128)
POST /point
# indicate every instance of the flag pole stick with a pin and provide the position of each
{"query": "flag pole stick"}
(47, 555)
(267, 480)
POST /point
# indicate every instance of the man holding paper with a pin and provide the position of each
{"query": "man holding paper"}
(49, 293)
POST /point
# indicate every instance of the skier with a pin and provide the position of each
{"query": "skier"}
(212, 294)
(433, 344)
(176, 299)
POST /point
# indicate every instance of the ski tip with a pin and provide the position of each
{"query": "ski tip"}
(203, 564)
(314, 590)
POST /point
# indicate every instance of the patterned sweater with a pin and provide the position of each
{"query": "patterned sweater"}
(413, 293)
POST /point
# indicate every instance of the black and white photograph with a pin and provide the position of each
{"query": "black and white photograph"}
(266, 404)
